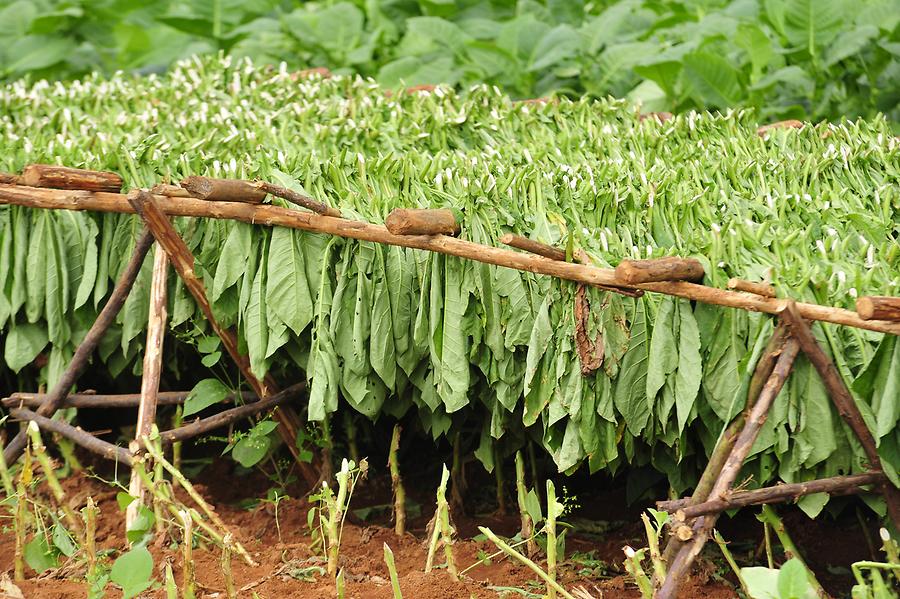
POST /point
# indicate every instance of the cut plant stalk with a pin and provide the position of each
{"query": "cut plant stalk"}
(340, 585)
(659, 567)
(442, 530)
(730, 559)
(392, 570)
(40, 452)
(397, 484)
(6, 477)
(188, 582)
(633, 566)
(527, 526)
(20, 516)
(769, 516)
(550, 528)
(500, 481)
(508, 550)
(89, 513)
(227, 574)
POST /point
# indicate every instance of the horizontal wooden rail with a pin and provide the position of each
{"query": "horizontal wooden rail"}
(835, 485)
(97, 400)
(276, 216)
(75, 434)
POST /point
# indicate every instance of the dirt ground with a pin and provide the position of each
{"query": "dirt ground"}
(287, 565)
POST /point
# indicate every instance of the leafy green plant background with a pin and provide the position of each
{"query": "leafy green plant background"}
(806, 59)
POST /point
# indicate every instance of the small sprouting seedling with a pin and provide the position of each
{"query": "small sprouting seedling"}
(633, 566)
(527, 524)
(332, 510)
(133, 571)
(227, 574)
(275, 497)
(188, 582)
(397, 484)
(441, 529)
(392, 570)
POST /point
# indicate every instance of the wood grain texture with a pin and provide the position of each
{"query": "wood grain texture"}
(223, 190)
(763, 289)
(670, 268)
(63, 177)
(404, 221)
(872, 307)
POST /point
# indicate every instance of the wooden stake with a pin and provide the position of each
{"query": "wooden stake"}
(182, 260)
(701, 529)
(873, 307)
(63, 177)
(10, 178)
(153, 353)
(268, 215)
(670, 268)
(172, 191)
(843, 401)
(763, 289)
(403, 221)
(90, 342)
(836, 485)
(535, 247)
(223, 190)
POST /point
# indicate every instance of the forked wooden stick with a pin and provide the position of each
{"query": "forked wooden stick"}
(147, 206)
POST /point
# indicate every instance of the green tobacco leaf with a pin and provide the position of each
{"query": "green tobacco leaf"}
(812, 24)
(39, 555)
(256, 325)
(762, 583)
(712, 79)
(206, 393)
(23, 343)
(34, 52)
(287, 290)
(133, 571)
(849, 43)
(690, 366)
(233, 261)
(559, 44)
(630, 396)
(793, 581)
(663, 358)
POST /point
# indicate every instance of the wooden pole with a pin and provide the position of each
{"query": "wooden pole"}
(268, 215)
(763, 289)
(843, 401)
(878, 308)
(297, 198)
(147, 206)
(102, 401)
(670, 268)
(90, 342)
(63, 177)
(224, 418)
(75, 434)
(153, 353)
(535, 247)
(223, 190)
(835, 485)
(403, 221)
(702, 527)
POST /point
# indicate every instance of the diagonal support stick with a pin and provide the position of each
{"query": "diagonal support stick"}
(80, 360)
(146, 205)
(843, 401)
(756, 417)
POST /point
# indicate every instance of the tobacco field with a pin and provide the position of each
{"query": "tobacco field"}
(385, 331)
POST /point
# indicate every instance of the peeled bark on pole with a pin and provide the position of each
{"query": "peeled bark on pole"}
(153, 353)
(147, 206)
(670, 268)
(172, 191)
(90, 342)
(843, 401)
(681, 564)
(403, 221)
(223, 190)
(268, 215)
(535, 247)
(10, 178)
(64, 177)
(763, 289)
(873, 307)
(835, 485)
